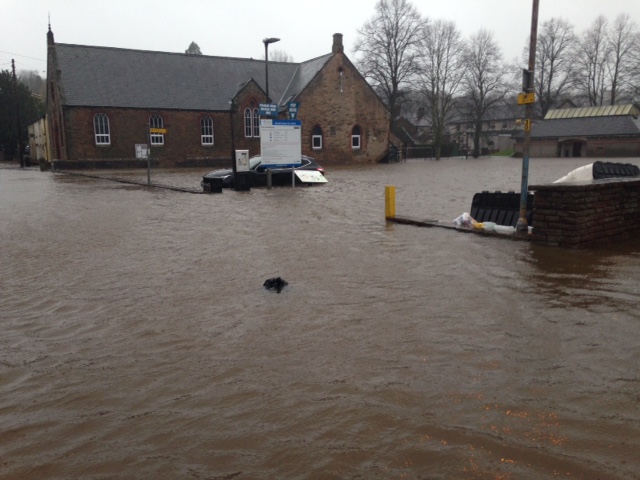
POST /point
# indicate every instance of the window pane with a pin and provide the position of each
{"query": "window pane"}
(316, 142)
(101, 129)
(206, 131)
(156, 122)
(247, 123)
(256, 122)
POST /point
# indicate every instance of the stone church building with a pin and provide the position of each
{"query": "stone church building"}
(102, 102)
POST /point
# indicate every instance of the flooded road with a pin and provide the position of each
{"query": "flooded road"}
(138, 342)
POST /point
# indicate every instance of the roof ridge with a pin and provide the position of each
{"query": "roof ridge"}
(249, 59)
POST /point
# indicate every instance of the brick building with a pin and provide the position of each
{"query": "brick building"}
(102, 101)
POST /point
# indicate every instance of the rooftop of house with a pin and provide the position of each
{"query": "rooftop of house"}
(601, 111)
(617, 120)
(116, 77)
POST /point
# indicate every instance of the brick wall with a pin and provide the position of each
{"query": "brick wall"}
(336, 103)
(128, 127)
(581, 214)
(333, 101)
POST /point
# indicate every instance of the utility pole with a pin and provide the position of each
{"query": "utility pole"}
(528, 97)
(18, 124)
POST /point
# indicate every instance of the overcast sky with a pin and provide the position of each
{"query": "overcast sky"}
(235, 28)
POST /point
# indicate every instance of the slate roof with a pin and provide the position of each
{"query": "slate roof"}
(627, 125)
(115, 77)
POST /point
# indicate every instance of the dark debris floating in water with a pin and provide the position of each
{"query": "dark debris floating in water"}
(275, 283)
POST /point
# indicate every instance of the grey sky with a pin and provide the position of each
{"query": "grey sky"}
(235, 28)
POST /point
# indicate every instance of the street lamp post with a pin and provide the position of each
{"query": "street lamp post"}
(266, 42)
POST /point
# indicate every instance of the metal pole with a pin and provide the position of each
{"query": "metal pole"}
(266, 68)
(149, 154)
(266, 42)
(18, 124)
(522, 226)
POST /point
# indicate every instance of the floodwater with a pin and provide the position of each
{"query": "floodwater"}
(137, 340)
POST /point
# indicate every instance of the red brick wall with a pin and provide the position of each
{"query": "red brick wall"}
(581, 214)
(128, 127)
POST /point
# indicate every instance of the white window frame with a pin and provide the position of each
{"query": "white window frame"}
(206, 131)
(157, 139)
(316, 138)
(356, 143)
(248, 123)
(101, 129)
(256, 122)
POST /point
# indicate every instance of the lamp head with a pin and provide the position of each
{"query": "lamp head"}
(267, 41)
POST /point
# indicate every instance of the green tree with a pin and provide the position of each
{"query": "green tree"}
(34, 81)
(31, 108)
(193, 49)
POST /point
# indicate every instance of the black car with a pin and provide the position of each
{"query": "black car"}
(258, 174)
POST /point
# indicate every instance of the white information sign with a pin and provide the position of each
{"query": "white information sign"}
(311, 176)
(281, 142)
(142, 151)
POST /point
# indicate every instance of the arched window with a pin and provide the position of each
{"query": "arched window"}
(101, 129)
(206, 131)
(356, 138)
(316, 138)
(251, 121)
(155, 121)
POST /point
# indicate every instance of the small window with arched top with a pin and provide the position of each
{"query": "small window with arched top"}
(156, 122)
(206, 131)
(101, 129)
(356, 138)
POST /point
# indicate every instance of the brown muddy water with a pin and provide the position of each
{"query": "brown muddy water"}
(139, 343)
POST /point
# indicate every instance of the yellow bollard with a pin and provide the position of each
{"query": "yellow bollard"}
(390, 201)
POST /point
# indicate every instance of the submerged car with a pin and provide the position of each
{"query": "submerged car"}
(258, 173)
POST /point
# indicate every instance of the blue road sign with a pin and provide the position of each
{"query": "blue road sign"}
(268, 109)
(293, 110)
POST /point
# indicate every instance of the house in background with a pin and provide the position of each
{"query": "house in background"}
(500, 126)
(608, 131)
(102, 103)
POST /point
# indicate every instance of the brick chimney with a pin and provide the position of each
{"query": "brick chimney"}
(337, 43)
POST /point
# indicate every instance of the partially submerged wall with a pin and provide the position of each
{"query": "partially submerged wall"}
(583, 213)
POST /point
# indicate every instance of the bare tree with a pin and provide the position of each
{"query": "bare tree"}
(280, 56)
(388, 45)
(485, 83)
(441, 76)
(593, 55)
(624, 43)
(554, 62)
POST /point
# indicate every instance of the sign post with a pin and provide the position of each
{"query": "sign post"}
(527, 98)
(151, 130)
